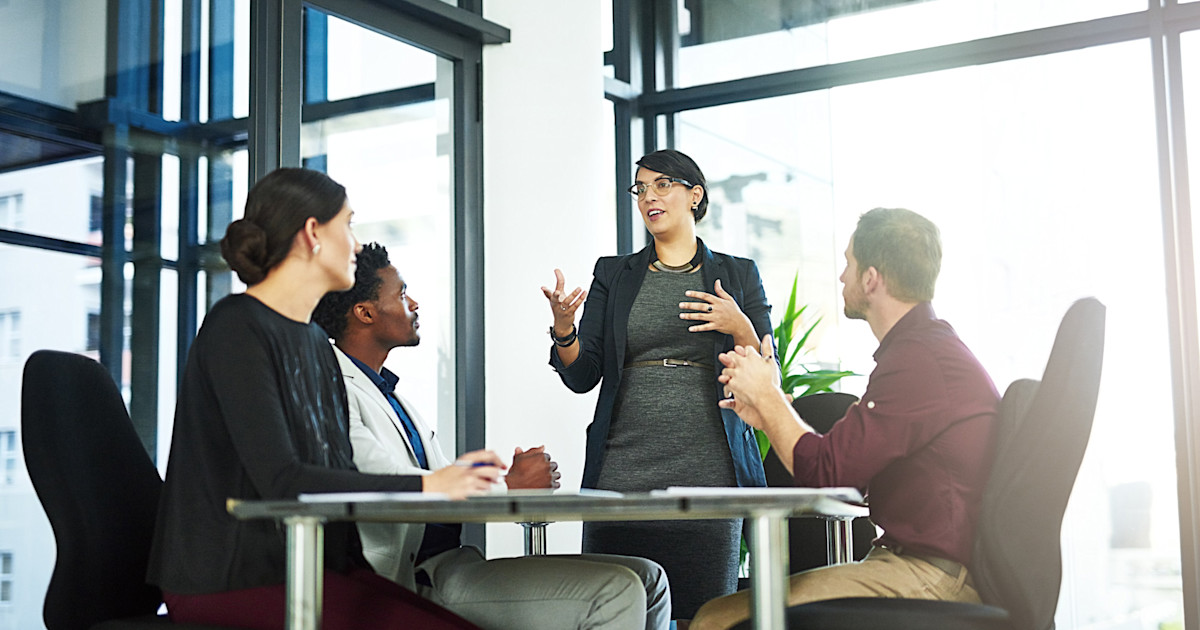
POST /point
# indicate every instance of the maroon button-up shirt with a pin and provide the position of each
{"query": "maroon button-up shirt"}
(918, 443)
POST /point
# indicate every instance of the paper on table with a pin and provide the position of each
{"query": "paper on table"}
(844, 494)
(538, 492)
(349, 497)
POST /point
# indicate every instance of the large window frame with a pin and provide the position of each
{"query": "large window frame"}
(277, 107)
(644, 57)
(128, 128)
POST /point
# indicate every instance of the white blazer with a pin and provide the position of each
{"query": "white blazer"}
(381, 446)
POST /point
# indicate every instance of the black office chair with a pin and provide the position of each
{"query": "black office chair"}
(1042, 433)
(100, 492)
(808, 537)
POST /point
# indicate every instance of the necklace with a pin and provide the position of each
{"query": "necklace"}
(684, 268)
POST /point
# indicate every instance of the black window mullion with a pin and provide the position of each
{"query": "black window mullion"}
(146, 296)
(112, 250)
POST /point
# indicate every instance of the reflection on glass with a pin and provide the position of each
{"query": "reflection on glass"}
(722, 41)
(396, 166)
(51, 301)
(1042, 176)
(172, 52)
(61, 200)
(53, 50)
(222, 192)
(1190, 52)
(169, 248)
(606, 26)
(167, 356)
(241, 64)
(363, 62)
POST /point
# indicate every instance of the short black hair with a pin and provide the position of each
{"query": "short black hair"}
(334, 308)
(677, 164)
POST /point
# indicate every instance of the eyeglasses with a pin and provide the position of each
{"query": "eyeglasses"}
(661, 186)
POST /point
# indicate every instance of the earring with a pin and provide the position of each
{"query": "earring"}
(316, 249)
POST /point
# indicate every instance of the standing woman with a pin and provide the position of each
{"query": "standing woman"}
(262, 414)
(652, 327)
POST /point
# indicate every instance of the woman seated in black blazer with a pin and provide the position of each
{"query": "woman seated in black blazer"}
(653, 324)
(262, 414)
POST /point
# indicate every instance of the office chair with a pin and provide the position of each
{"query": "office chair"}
(1042, 432)
(807, 536)
(100, 492)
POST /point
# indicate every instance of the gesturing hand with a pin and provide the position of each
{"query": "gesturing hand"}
(473, 473)
(563, 305)
(532, 469)
(718, 312)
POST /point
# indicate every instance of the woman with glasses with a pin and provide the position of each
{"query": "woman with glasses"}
(653, 324)
(262, 414)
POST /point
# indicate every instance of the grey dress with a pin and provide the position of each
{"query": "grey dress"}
(667, 431)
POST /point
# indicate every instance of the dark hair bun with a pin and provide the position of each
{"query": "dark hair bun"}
(244, 247)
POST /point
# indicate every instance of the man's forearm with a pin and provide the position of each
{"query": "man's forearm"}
(782, 426)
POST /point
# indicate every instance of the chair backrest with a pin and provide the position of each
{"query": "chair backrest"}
(98, 486)
(1042, 433)
(822, 410)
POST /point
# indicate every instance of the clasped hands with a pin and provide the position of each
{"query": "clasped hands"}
(476, 472)
(751, 378)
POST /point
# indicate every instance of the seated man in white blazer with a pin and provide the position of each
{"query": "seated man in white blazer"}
(389, 437)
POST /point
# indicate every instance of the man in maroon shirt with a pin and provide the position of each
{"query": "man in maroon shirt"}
(918, 443)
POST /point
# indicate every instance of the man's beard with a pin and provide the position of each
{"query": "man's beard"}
(855, 309)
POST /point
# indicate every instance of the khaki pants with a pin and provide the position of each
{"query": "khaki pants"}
(881, 574)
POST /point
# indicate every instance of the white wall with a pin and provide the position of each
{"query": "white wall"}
(548, 195)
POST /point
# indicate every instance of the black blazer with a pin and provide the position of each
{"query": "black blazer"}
(602, 333)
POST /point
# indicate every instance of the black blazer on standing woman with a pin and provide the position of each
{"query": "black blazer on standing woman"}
(603, 329)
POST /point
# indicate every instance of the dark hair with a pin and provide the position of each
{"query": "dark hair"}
(675, 164)
(906, 249)
(276, 209)
(334, 307)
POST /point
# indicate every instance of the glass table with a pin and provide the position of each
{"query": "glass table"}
(766, 509)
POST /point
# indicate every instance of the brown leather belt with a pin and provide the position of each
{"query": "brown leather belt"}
(669, 363)
(949, 567)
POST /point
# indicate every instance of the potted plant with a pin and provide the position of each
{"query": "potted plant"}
(791, 337)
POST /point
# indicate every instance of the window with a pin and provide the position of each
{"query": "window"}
(1034, 167)
(720, 40)
(93, 332)
(12, 212)
(117, 255)
(96, 215)
(8, 456)
(997, 150)
(10, 335)
(405, 147)
(6, 577)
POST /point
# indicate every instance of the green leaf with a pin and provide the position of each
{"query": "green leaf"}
(820, 380)
(792, 337)
(763, 442)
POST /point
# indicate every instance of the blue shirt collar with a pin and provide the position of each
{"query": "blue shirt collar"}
(386, 382)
